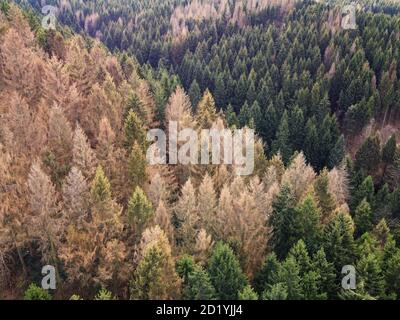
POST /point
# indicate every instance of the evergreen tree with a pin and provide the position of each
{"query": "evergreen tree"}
(225, 272)
(309, 228)
(231, 117)
(198, 285)
(104, 294)
(206, 112)
(338, 241)
(155, 276)
(194, 94)
(370, 273)
(265, 276)
(391, 272)
(289, 275)
(277, 291)
(134, 131)
(363, 218)
(282, 222)
(35, 292)
(137, 166)
(324, 198)
(395, 202)
(282, 142)
(139, 210)
(248, 294)
(369, 155)
(364, 191)
(101, 188)
(389, 150)
(326, 271)
(184, 266)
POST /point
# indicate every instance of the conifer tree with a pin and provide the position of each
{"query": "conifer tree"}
(324, 198)
(326, 271)
(206, 112)
(155, 276)
(75, 192)
(370, 273)
(139, 210)
(82, 155)
(225, 272)
(282, 222)
(338, 241)
(134, 131)
(194, 94)
(389, 150)
(289, 276)
(45, 220)
(105, 209)
(363, 218)
(265, 276)
(137, 166)
(282, 142)
(198, 285)
(369, 155)
(247, 294)
(277, 291)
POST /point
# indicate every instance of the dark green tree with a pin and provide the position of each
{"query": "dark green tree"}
(226, 275)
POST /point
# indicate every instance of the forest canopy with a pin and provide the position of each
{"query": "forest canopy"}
(77, 192)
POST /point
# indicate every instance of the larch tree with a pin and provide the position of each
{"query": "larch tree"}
(13, 231)
(75, 192)
(338, 185)
(163, 218)
(60, 142)
(178, 110)
(83, 156)
(202, 247)
(206, 204)
(187, 215)
(299, 176)
(45, 218)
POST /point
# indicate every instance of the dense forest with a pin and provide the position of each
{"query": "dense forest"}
(77, 192)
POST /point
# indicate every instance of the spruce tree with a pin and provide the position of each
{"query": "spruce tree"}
(282, 142)
(369, 155)
(225, 272)
(389, 150)
(277, 291)
(198, 285)
(137, 166)
(363, 218)
(326, 271)
(139, 210)
(265, 277)
(338, 241)
(370, 273)
(134, 131)
(324, 198)
(282, 222)
(289, 275)
(248, 294)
